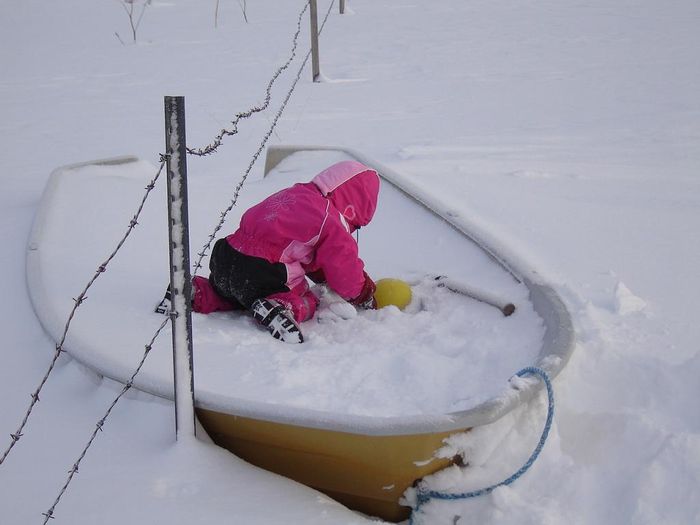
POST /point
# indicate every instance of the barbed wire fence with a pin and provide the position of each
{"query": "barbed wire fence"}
(234, 200)
(218, 140)
(101, 422)
(102, 268)
(78, 301)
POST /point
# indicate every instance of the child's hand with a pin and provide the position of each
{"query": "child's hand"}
(366, 297)
(369, 304)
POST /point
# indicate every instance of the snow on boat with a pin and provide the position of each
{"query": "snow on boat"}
(359, 410)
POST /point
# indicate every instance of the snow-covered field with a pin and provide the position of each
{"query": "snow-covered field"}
(570, 131)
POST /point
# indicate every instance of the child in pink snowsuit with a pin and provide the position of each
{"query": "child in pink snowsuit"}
(304, 230)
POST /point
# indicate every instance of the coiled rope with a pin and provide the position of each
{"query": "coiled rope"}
(424, 496)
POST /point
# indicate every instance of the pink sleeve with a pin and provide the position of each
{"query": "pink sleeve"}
(337, 256)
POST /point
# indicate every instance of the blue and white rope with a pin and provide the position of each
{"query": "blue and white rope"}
(424, 496)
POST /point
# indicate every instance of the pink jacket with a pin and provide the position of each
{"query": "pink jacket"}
(309, 226)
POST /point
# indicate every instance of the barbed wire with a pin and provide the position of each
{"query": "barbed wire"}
(211, 148)
(234, 199)
(78, 302)
(100, 423)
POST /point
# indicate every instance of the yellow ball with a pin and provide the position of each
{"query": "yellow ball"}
(392, 291)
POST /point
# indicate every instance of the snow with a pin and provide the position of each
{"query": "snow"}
(566, 130)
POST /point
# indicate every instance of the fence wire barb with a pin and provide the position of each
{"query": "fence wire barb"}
(49, 514)
(79, 300)
(234, 200)
(211, 148)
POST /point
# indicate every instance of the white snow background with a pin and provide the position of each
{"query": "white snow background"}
(570, 131)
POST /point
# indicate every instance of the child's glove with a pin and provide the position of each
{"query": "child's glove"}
(366, 298)
(332, 306)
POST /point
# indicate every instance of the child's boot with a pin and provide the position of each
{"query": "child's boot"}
(165, 304)
(278, 321)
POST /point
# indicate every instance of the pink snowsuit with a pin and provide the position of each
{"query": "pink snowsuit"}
(308, 228)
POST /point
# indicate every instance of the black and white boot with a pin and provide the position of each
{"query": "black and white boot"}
(278, 321)
(165, 304)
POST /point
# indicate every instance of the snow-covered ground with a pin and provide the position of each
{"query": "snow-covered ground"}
(570, 131)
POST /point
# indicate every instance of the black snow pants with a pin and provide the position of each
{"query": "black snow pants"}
(241, 278)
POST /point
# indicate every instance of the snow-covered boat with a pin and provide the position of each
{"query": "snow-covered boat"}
(363, 456)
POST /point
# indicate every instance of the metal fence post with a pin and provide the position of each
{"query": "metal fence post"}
(314, 40)
(342, 7)
(180, 278)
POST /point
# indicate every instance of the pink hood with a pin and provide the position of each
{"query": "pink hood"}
(353, 188)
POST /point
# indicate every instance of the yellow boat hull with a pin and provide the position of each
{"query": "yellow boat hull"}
(365, 473)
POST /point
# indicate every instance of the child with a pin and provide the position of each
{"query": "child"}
(304, 230)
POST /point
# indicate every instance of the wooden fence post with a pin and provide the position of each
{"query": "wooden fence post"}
(314, 41)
